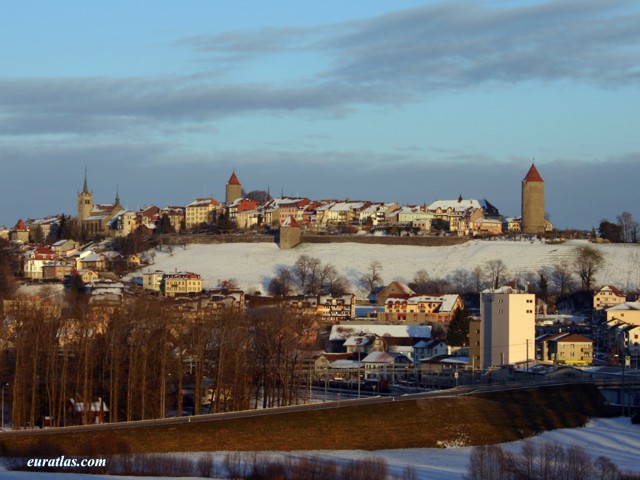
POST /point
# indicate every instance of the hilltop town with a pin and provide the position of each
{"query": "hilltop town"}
(120, 339)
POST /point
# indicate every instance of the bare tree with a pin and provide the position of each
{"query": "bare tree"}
(587, 262)
(496, 271)
(371, 279)
(306, 272)
(629, 227)
(477, 279)
(561, 276)
(281, 285)
(460, 280)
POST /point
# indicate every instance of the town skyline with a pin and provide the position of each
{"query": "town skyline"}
(404, 101)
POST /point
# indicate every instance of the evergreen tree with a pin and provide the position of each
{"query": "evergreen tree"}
(458, 334)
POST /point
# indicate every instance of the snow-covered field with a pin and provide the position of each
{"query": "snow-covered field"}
(253, 264)
(613, 438)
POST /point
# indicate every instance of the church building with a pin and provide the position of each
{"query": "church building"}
(94, 218)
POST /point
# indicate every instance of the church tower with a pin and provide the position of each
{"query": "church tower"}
(234, 189)
(533, 221)
(85, 201)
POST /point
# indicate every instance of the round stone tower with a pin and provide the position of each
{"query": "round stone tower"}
(533, 203)
(234, 189)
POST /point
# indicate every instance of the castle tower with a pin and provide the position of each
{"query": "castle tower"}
(234, 189)
(533, 222)
(85, 201)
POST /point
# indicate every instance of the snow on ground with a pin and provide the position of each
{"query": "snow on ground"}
(253, 264)
(614, 438)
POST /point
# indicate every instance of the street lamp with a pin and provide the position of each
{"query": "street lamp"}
(3, 385)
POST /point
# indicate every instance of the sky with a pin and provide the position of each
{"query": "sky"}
(392, 100)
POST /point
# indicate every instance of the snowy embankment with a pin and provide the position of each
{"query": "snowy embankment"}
(614, 438)
(253, 264)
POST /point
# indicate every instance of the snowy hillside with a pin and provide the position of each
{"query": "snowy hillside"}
(253, 264)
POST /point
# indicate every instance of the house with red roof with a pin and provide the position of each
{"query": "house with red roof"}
(608, 296)
(34, 261)
(568, 348)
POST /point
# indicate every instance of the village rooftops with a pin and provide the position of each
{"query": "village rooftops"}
(342, 332)
(447, 301)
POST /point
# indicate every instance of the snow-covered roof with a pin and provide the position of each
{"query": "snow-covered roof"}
(625, 306)
(356, 341)
(383, 357)
(342, 332)
(456, 205)
(447, 301)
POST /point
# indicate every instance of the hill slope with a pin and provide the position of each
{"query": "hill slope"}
(464, 420)
(253, 264)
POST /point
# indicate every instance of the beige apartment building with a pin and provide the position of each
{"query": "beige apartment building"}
(627, 312)
(181, 283)
(505, 332)
(608, 296)
(568, 349)
(200, 211)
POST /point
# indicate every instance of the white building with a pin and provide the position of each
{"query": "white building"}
(505, 331)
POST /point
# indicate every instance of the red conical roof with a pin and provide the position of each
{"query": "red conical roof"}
(533, 175)
(20, 227)
(233, 180)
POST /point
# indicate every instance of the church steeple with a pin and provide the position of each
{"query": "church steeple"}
(117, 196)
(85, 200)
(85, 188)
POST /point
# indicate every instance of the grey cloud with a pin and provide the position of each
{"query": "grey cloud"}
(73, 105)
(387, 60)
(454, 45)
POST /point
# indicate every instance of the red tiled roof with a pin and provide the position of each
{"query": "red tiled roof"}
(533, 175)
(233, 180)
(20, 227)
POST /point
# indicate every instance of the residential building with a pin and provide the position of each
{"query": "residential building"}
(627, 312)
(64, 248)
(152, 280)
(57, 269)
(608, 296)
(397, 338)
(429, 348)
(505, 332)
(327, 309)
(35, 259)
(421, 308)
(568, 348)
(123, 223)
(200, 211)
(176, 216)
(181, 283)
(458, 213)
(395, 289)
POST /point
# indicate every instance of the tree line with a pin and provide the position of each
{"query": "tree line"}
(146, 357)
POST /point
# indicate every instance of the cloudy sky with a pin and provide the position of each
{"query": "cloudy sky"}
(388, 100)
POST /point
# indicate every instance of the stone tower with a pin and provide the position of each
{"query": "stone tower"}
(85, 201)
(533, 222)
(234, 189)
(290, 234)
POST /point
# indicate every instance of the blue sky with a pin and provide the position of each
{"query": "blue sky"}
(384, 100)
